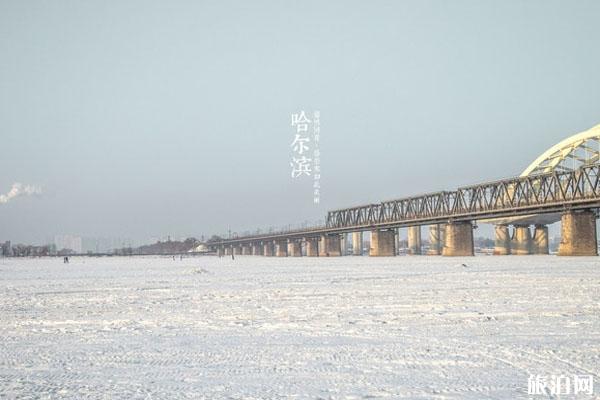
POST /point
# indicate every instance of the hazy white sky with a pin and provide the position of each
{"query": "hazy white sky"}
(142, 118)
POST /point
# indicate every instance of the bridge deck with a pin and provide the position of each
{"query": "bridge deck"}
(540, 194)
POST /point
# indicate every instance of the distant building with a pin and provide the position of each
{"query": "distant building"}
(104, 244)
(73, 243)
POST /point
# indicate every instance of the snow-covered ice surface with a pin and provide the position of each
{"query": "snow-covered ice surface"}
(329, 328)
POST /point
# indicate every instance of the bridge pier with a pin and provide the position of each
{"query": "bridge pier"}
(521, 241)
(383, 243)
(578, 234)
(268, 249)
(436, 239)
(312, 247)
(330, 246)
(540, 240)
(459, 239)
(246, 250)
(228, 250)
(357, 243)
(502, 242)
(294, 248)
(220, 251)
(414, 240)
(281, 248)
(257, 249)
(344, 244)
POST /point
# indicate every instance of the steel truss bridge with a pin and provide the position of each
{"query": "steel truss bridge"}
(543, 193)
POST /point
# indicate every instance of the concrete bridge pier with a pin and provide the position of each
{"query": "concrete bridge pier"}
(521, 241)
(228, 250)
(436, 239)
(295, 248)
(578, 234)
(220, 251)
(357, 243)
(383, 243)
(344, 244)
(330, 246)
(281, 248)
(237, 250)
(414, 240)
(540, 240)
(258, 249)
(502, 242)
(246, 250)
(459, 239)
(312, 247)
(268, 249)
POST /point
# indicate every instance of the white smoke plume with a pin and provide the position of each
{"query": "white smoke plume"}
(18, 190)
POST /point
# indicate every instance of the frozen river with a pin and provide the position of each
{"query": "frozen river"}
(300, 328)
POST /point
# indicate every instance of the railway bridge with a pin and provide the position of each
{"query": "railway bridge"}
(562, 184)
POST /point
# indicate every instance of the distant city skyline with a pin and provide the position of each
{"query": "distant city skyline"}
(143, 119)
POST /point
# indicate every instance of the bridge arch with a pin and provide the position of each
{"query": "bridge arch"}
(574, 152)
(570, 154)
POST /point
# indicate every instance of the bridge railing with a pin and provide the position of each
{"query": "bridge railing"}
(515, 193)
(270, 232)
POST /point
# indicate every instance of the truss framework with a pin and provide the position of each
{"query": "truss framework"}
(537, 194)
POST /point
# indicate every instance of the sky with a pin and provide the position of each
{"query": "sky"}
(144, 119)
